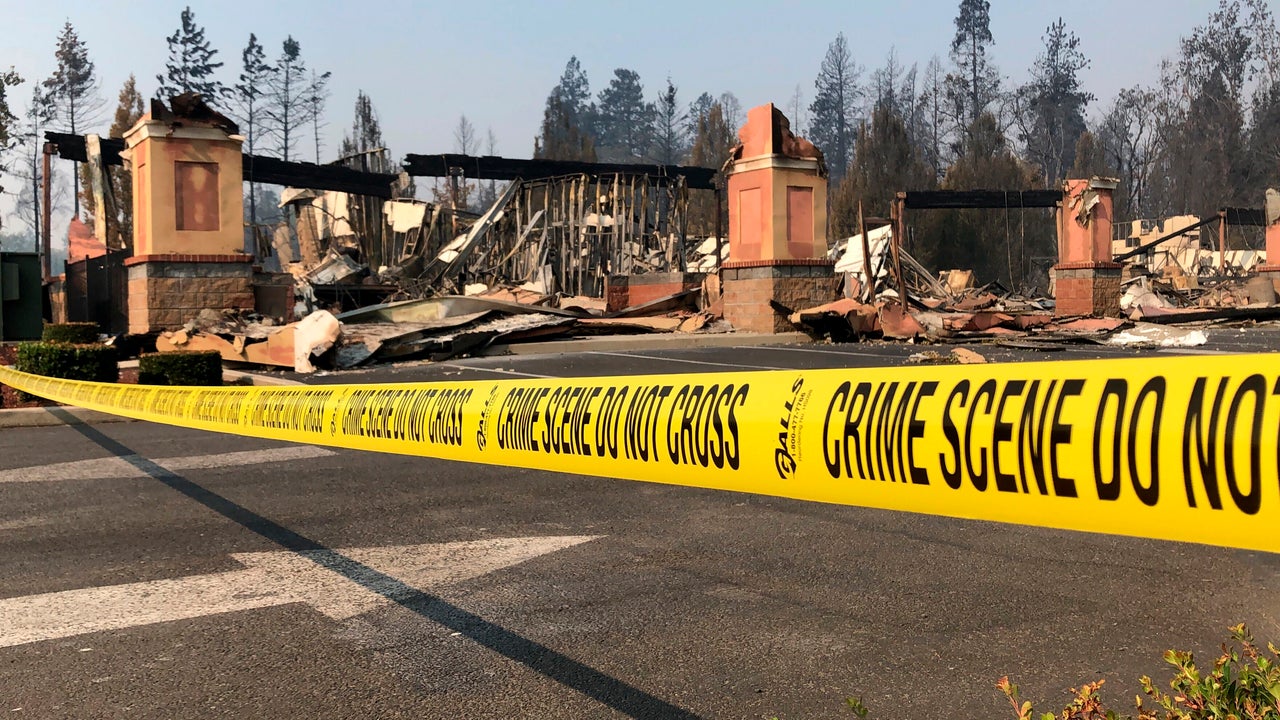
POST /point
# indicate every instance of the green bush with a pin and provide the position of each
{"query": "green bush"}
(77, 333)
(1243, 683)
(65, 360)
(197, 367)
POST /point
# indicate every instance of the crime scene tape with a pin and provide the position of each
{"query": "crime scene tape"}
(1178, 448)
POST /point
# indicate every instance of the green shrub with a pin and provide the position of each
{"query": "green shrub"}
(77, 333)
(1243, 683)
(197, 367)
(65, 360)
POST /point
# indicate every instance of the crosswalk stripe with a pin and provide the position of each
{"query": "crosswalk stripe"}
(120, 467)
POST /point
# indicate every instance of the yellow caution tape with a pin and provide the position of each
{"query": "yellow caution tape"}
(1172, 448)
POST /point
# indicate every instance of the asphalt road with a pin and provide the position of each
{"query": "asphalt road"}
(211, 576)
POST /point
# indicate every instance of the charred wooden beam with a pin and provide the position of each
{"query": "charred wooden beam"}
(1252, 217)
(489, 167)
(257, 168)
(980, 199)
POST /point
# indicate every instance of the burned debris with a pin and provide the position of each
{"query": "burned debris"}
(363, 270)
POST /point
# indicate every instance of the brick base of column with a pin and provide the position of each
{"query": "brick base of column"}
(749, 286)
(1087, 289)
(624, 291)
(165, 291)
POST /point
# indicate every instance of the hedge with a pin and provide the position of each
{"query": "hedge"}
(69, 361)
(197, 367)
(76, 333)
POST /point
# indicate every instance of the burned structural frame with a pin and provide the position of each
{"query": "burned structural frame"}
(557, 181)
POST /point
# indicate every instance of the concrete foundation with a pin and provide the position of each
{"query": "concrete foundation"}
(165, 291)
(749, 287)
(624, 291)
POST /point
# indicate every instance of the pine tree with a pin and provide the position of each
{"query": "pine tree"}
(316, 97)
(8, 120)
(698, 110)
(567, 131)
(560, 137)
(931, 131)
(885, 161)
(248, 95)
(711, 147)
(995, 245)
(364, 149)
(464, 136)
(974, 84)
(119, 219)
(73, 90)
(289, 100)
(624, 120)
(191, 65)
(1054, 103)
(671, 139)
(833, 113)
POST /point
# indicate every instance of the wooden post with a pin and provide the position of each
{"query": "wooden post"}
(46, 210)
(1222, 242)
(869, 291)
(899, 229)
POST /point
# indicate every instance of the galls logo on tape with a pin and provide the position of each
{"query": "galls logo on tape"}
(787, 454)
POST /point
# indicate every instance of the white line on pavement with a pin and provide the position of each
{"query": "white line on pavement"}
(813, 350)
(738, 366)
(118, 467)
(494, 370)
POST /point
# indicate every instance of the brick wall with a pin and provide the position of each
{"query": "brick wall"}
(165, 295)
(749, 287)
(624, 291)
(1092, 290)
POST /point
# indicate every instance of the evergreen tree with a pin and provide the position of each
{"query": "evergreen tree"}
(289, 100)
(248, 95)
(36, 118)
(930, 129)
(363, 148)
(191, 65)
(573, 89)
(833, 114)
(711, 147)
(698, 110)
(1130, 138)
(995, 245)
(885, 161)
(316, 97)
(567, 121)
(734, 117)
(560, 137)
(1091, 159)
(624, 120)
(464, 136)
(119, 218)
(73, 90)
(974, 84)
(1054, 103)
(671, 140)
(8, 120)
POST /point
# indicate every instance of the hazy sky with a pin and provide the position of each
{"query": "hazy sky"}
(425, 63)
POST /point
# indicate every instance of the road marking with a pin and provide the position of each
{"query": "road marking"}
(269, 579)
(882, 356)
(120, 467)
(739, 366)
(494, 370)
